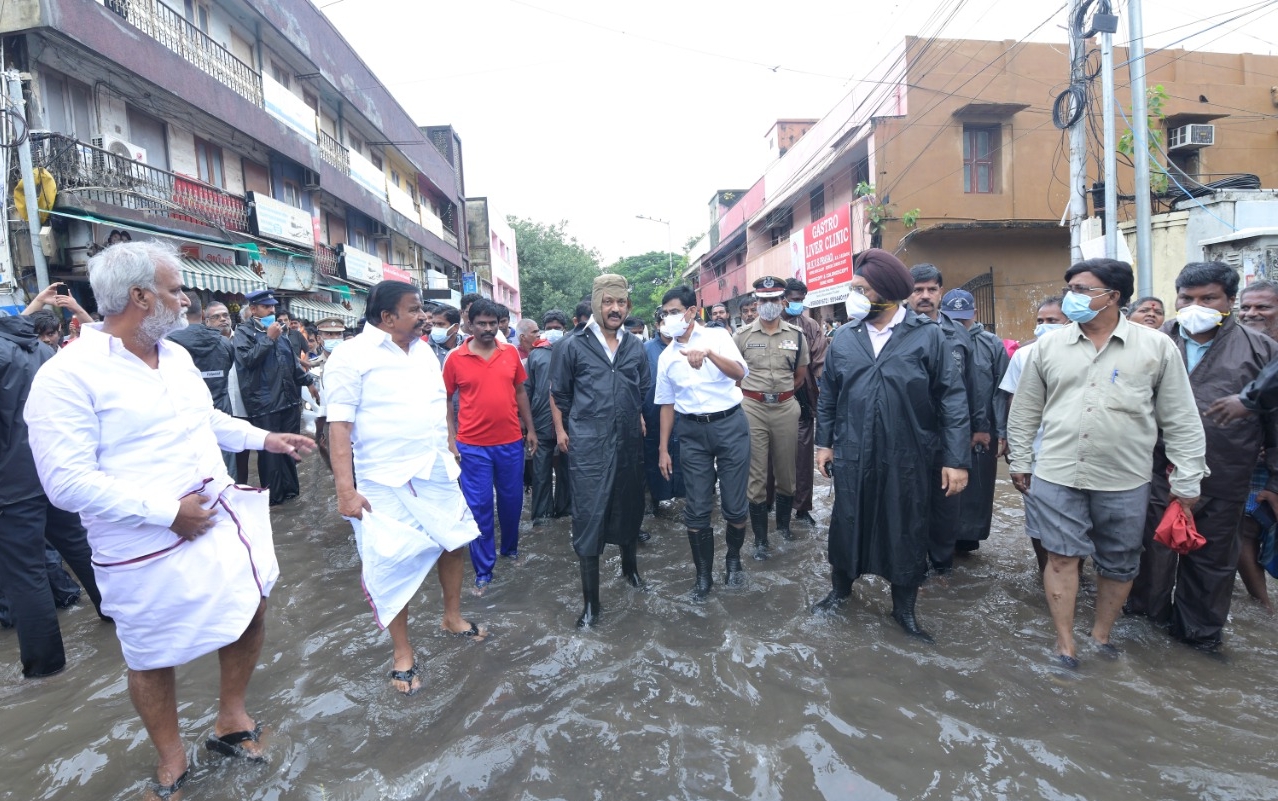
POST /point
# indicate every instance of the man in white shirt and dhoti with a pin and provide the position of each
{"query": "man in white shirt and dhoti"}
(387, 418)
(124, 433)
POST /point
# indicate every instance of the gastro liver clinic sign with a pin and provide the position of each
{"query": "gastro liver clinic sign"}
(360, 266)
(281, 222)
(821, 257)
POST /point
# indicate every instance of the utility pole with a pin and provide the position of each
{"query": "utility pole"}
(1077, 137)
(19, 106)
(669, 240)
(1140, 144)
(1107, 28)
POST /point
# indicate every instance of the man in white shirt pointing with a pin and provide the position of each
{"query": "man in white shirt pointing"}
(124, 433)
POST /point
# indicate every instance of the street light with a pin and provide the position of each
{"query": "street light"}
(669, 240)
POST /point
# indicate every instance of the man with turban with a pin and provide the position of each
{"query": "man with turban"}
(598, 379)
(891, 396)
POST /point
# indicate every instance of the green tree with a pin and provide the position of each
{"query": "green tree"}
(555, 270)
(650, 276)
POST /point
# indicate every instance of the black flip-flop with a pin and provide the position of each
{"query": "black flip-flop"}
(473, 631)
(229, 744)
(407, 677)
(165, 791)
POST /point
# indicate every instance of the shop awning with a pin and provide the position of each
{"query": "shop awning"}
(316, 310)
(220, 277)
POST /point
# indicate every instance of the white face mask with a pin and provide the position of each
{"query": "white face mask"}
(858, 307)
(1197, 319)
(440, 335)
(553, 335)
(674, 326)
(1043, 328)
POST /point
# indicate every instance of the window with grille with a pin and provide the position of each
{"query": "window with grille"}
(816, 202)
(980, 152)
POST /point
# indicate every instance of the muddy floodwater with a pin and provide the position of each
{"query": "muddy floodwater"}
(744, 697)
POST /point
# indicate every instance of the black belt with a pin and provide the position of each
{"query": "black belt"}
(710, 418)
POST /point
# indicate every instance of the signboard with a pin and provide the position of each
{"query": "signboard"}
(210, 254)
(470, 284)
(289, 109)
(821, 257)
(392, 273)
(368, 175)
(360, 266)
(281, 222)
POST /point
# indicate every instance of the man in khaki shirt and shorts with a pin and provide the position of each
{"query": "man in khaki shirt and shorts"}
(777, 354)
(1103, 390)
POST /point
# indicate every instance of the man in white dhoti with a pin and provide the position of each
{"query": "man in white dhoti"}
(387, 409)
(124, 432)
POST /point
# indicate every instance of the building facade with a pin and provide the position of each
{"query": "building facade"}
(494, 256)
(249, 134)
(947, 154)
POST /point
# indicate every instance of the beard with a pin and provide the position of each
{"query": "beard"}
(160, 323)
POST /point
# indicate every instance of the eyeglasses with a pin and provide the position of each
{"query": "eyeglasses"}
(662, 314)
(1085, 290)
(860, 290)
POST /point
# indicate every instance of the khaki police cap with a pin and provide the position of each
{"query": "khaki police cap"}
(331, 325)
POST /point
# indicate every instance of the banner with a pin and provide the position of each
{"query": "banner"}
(360, 266)
(821, 257)
(470, 285)
(272, 219)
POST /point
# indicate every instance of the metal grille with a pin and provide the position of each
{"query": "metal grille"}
(172, 30)
(982, 289)
(99, 175)
(335, 153)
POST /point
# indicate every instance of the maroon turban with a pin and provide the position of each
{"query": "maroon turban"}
(885, 274)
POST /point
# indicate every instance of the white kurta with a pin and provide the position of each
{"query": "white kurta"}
(121, 444)
(396, 404)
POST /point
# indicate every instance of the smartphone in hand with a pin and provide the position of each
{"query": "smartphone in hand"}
(64, 290)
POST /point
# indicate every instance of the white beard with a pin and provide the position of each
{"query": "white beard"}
(160, 323)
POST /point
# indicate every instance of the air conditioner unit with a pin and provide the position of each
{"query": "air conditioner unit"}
(1191, 137)
(119, 147)
(310, 180)
(380, 231)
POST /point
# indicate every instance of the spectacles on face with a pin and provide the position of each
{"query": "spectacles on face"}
(1086, 290)
(860, 290)
(663, 314)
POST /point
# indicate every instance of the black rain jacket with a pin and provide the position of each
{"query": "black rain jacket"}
(214, 356)
(21, 355)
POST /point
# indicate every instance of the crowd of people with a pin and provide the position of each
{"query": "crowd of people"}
(126, 453)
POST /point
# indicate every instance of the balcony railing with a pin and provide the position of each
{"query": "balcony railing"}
(84, 171)
(335, 153)
(325, 260)
(450, 237)
(175, 32)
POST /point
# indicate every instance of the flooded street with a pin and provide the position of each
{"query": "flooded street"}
(746, 696)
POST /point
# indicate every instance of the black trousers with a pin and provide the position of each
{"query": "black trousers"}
(278, 471)
(24, 577)
(1191, 593)
(551, 497)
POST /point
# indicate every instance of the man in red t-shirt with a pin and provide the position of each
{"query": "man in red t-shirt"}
(486, 435)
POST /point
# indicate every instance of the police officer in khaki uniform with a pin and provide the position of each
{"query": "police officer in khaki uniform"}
(777, 354)
(330, 331)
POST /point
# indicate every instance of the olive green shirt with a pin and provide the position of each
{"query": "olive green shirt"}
(773, 357)
(1101, 412)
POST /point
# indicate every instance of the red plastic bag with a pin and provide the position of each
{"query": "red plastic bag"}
(1177, 530)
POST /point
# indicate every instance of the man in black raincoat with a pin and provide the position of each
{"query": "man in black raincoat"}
(989, 363)
(271, 378)
(214, 356)
(891, 398)
(598, 379)
(944, 528)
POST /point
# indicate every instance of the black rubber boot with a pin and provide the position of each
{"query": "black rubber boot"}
(734, 577)
(903, 599)
(589, 591)
(841, 589)
(702, 544)
(630, 566)
(759, 523)
(784, 504)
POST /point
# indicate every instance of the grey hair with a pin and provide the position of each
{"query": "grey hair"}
(246, 313)
(123, 266)
(525, 326)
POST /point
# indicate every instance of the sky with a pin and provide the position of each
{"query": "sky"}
(596, 112)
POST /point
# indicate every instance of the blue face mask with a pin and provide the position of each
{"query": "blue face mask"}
(1078, 308)
(267, 320)
(794, 308)
(330, 344)
(1043, 328)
